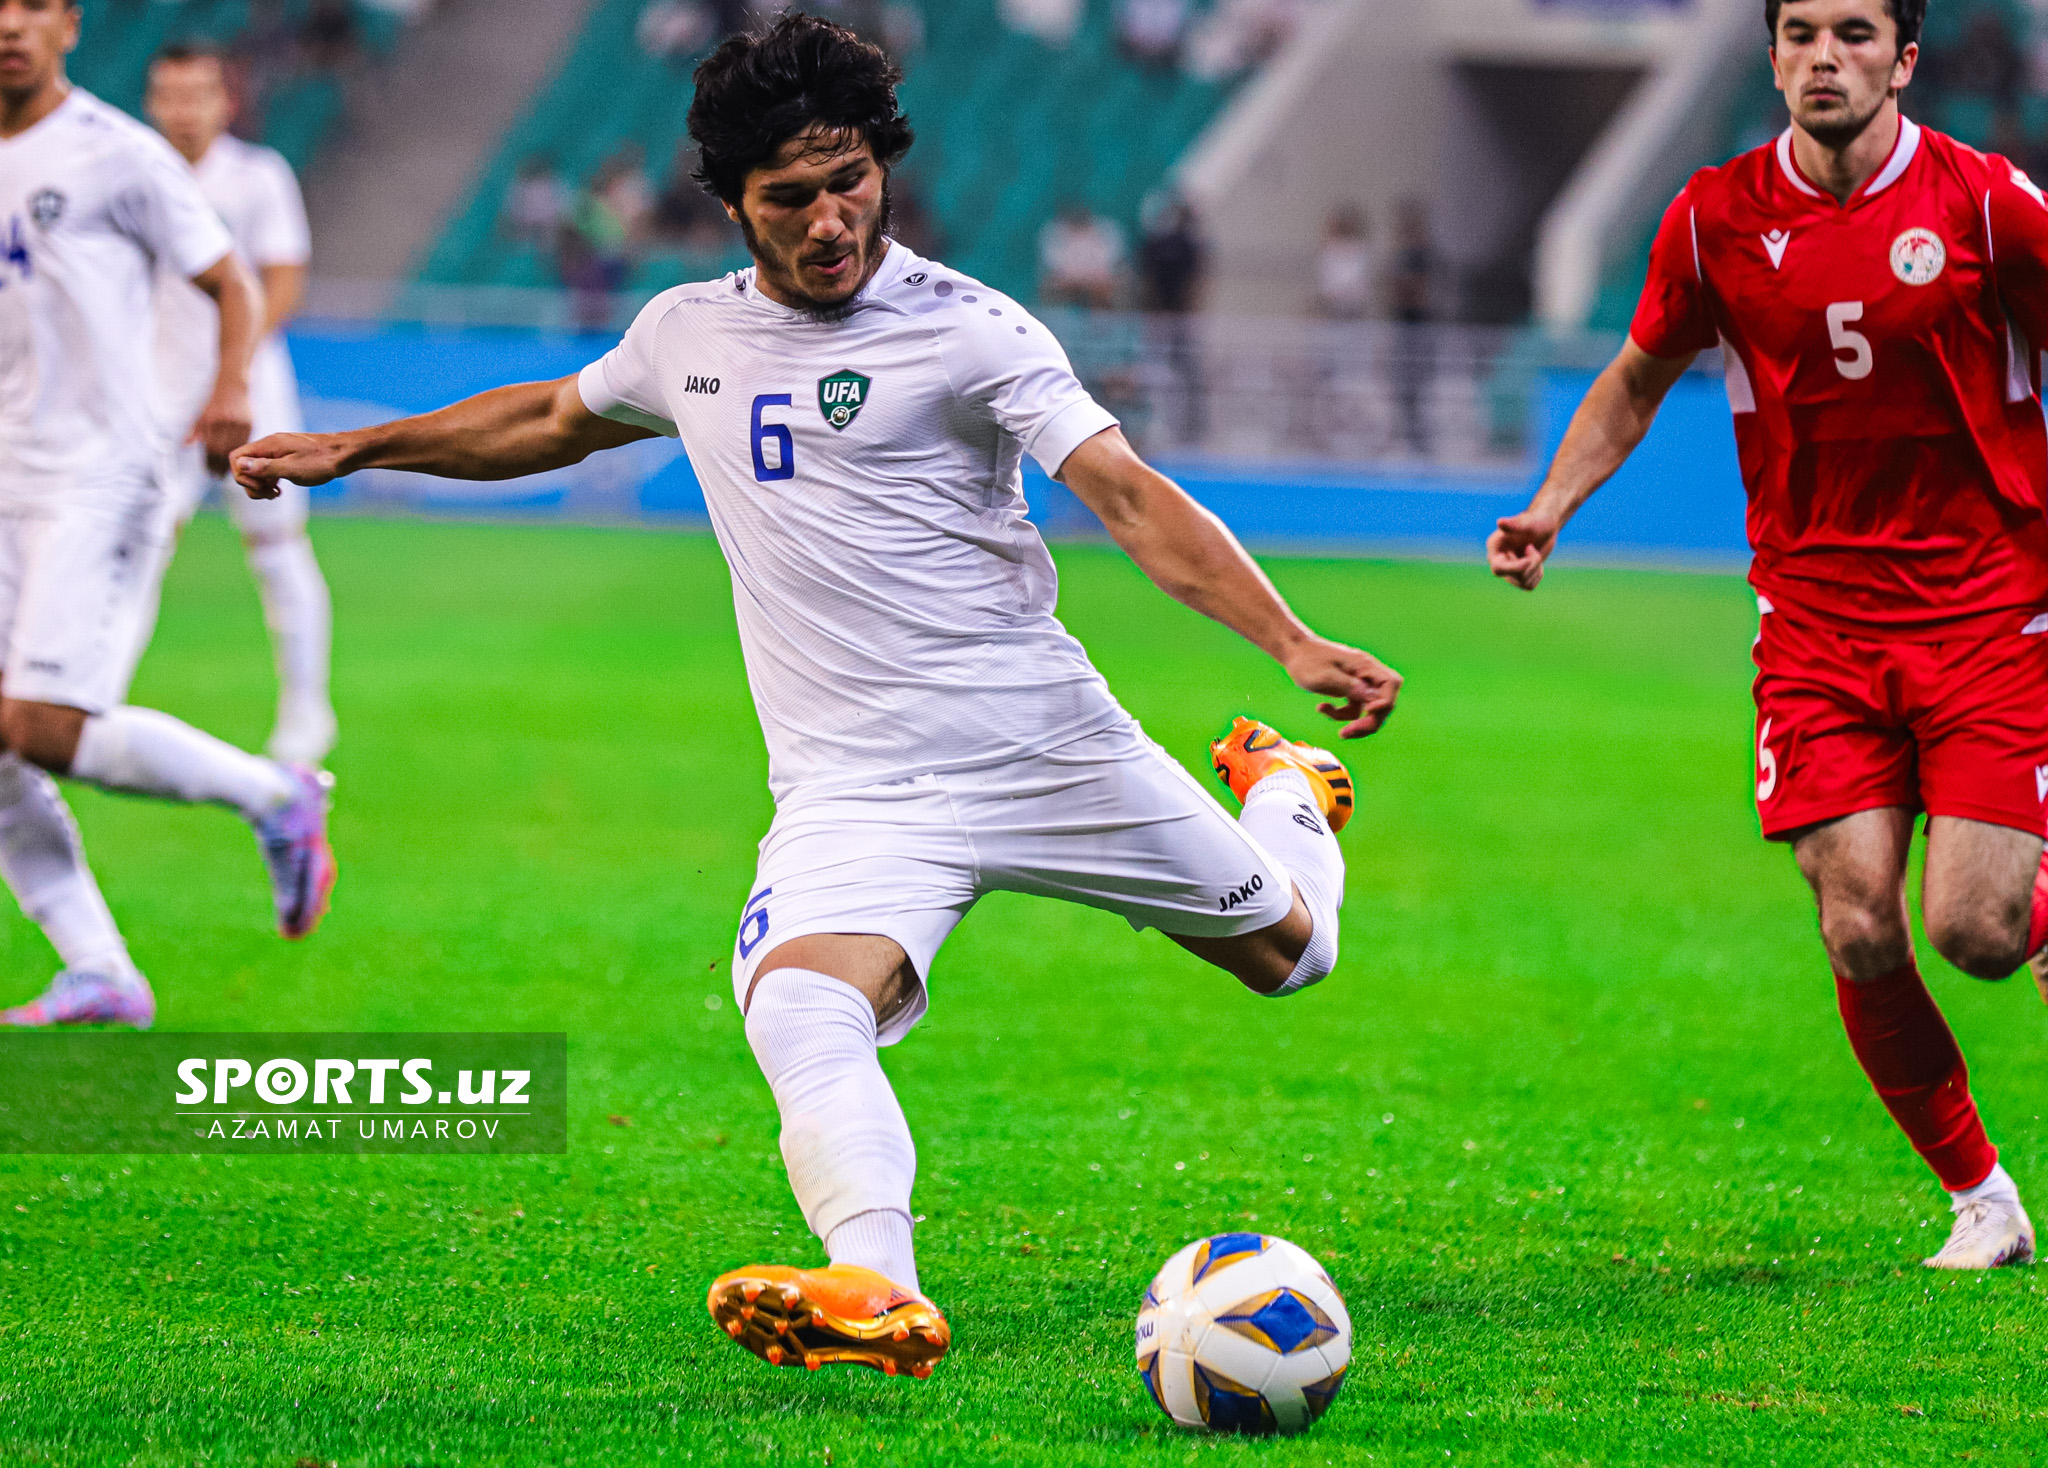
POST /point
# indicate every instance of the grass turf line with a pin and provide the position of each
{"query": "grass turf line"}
(1573, 1124)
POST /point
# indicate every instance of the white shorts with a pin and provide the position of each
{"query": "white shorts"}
(1109, 821)
(77, 584)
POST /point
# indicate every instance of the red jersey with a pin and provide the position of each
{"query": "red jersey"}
(1882, 365)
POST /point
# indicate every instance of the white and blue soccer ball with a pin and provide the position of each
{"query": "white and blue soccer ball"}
(1243, 1333)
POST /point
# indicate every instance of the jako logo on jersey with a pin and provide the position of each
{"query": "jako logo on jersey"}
(46, 207)
(1919, 256)
(700, 384)
(841, 397)
(1242, 895)
(1774, 246)
(2041, 782)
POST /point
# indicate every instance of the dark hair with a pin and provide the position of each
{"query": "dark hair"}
(182, 51)
(1907, 15)
(757, 91)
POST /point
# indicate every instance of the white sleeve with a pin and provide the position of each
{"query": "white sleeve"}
(280, 234)
(163, 211)
(1005, 364)
(624, 384)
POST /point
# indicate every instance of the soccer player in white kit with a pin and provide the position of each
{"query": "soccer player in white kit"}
(857, 416)
(90, 202)
(257, 196)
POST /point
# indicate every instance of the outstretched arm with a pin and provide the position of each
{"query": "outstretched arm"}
(500, 434)
(1193, 558)
(1612, 420)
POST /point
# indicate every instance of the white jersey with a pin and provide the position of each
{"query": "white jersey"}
(90, 202)
(895, 605)
(256, 194)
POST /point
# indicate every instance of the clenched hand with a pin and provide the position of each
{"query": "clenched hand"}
(1362, 689)
(303, 458)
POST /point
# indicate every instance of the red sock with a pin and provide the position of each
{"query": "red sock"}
(1911, 1058)
(2037, 930)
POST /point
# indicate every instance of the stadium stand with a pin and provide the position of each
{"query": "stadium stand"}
(1976, 81)
(290, 67)
(1010, 128)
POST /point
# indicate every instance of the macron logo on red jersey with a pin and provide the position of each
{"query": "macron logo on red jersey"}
(1774, 246)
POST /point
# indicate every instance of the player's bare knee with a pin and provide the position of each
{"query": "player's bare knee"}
(1863, 940)
(43, 734)
(1984, 944)
(1291, 957)
(1265, 970)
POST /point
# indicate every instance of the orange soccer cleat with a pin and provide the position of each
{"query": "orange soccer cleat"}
(823, 1317)
(1251, 751)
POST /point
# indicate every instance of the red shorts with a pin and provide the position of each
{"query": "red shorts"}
(1846, 724)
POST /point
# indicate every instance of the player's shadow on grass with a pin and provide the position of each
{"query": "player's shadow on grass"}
(835, 1392)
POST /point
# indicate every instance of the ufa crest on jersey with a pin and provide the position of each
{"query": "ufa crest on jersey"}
(841, 397)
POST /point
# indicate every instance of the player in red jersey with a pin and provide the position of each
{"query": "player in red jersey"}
(1879, 293)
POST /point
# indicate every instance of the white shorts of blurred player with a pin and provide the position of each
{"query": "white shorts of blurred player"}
(1110, 821)
(78, 589)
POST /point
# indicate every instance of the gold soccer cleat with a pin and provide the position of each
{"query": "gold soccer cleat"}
(1251, 751)
(824, 1317)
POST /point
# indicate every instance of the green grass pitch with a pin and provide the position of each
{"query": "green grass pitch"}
(1573, 1125)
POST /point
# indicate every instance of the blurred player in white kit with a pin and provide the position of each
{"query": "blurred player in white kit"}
(92, 203)
(257, 196)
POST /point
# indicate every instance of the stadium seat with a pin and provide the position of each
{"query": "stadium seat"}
(119, 37)
(1008, 129)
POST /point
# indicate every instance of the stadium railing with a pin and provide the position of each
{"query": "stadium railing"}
(1334, 437)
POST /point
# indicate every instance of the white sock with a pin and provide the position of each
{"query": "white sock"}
(879, 1239)
(844, 1140)
(145, 752)
(1997, 1185)
(300, 615)
(43, 863)
(1282, 815)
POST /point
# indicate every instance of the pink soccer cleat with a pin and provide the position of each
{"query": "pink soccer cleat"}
(78, 998)
(294, 842)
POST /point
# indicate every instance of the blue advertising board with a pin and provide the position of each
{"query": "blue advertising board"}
(1678, 500)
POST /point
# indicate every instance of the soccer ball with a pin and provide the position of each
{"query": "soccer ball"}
(1243, 1333)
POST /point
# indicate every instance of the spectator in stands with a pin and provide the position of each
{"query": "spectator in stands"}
(1412, 284)
(674, 30)
(1080, 256)
(1346, 276)
(1149, 32)
(685, 214)
(329, 34)
(538, 203)
(596, 249)
(1172, 260)
(1051, 21)
(621, 189)
(1173, 264)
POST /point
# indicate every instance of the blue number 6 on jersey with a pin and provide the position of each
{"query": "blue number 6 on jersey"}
(778, 433)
